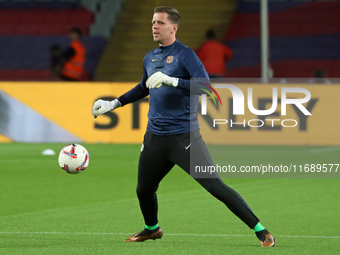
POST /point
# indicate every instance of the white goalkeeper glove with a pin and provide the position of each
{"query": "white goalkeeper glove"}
(101, 106)
(159, 78)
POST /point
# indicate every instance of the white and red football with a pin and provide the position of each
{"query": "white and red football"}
(73, 158)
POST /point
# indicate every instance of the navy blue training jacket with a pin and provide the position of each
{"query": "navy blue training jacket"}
(170, 111)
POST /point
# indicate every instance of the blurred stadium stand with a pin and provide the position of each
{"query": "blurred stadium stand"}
(24, 54)
(132, 38)
(29, 28)
(106, 12)
(304, 36)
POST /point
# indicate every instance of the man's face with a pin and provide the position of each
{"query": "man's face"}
(162, 29)
(73, 36)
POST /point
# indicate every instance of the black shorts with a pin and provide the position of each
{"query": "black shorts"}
(163, 152)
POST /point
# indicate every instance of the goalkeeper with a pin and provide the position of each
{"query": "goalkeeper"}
(172, 121)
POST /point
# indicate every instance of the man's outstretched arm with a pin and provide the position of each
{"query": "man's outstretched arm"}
(138, 92)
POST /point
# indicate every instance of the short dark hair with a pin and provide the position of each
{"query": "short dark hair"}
(173, 14)
(319, 73)
(55, 47)
(76, 30)
(210, 34)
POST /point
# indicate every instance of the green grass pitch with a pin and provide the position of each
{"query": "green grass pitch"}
(44, 210)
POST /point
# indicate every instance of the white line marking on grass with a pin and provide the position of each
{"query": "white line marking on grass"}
(220, 235)
(326, 149)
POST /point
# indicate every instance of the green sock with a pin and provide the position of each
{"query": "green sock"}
(151, 227)
(258, 227)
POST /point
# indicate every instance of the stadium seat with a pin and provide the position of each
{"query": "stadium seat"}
(31, 18)
(83, 17)
(9, 17)
(57, 17)
(26, 29)
(7, 29)
(52, 29)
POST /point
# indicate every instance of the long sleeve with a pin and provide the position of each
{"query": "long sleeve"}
(197, 72)
(136, 93)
